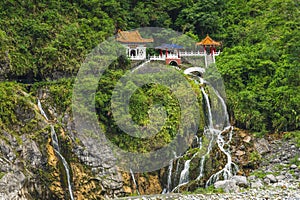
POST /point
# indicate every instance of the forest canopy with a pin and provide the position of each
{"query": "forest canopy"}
(48, 40)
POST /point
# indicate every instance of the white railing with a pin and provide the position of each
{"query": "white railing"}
(171, 55)
(197, 53)
(175, 56)
(191, 53)
(163, 57)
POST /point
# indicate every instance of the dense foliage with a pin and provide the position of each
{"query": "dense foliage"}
(44, 40)
(260, 64)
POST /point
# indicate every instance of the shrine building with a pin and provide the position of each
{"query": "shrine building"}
(134, 43)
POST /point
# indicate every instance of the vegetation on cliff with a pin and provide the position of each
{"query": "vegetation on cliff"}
(41, 41)
(42, 46)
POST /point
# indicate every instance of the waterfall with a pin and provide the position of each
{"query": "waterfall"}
(200, 143)
(177, 166)
(169, 184)
(227, 171)
(203, 157)
(223, 106)
(214, 133)
(134, 182)
(41, 110)
(55, 145)
(210, 122)
(208, 131)
(184, 175)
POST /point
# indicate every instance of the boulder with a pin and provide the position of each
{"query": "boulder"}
(261, 146)
(31, 153)
(227, 185)
(11, 185)
(240, 153)
(7, 150)
(241, 181)
(280, 177)
(267, 181)
(251, 178)
(272, 178)
(247, 139)
(293, 166)
(257, 184)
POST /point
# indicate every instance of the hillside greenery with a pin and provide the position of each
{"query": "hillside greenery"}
(42, 41)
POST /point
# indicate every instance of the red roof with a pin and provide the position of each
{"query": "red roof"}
(208, 41)
(131, 37)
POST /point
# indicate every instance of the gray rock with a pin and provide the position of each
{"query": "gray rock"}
(284, 158)
(272, 178)
(297, 196)
(241, 181)
(280, 177)
(252, 178)
(261, 146)
(267, 181)
(11, 185)
(293, 166)
(6, 150)
(32, 153)
(289, 176)
(297, 175)
(257, 184)
(227, 185)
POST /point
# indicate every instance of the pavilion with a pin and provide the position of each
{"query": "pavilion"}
(134, 43)
(210, 43)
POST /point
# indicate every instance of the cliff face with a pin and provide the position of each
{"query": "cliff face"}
(31, 169)
(29, 166)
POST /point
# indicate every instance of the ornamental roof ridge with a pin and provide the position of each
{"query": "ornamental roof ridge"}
(208, 41)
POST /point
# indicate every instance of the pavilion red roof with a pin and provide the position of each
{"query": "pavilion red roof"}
(208, 41)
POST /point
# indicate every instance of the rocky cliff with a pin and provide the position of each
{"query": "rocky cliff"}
(31, 169)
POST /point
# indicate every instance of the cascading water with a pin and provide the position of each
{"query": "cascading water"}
(169, 184)
(177, 167)
(216, 127)
(55, 145)
(207, 133)
(134, 182)
(184, 176)
(214, 132)
(227, 171)
(200, 143)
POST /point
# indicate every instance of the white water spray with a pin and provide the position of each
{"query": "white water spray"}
(169, 184)
(55, 145)
(213, 133)
(134, 182)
